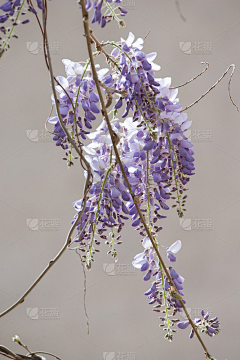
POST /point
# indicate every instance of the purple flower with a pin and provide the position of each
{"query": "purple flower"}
(183, 324)
(210, 327)
(7, 6)
(3, 18)
(173, 249)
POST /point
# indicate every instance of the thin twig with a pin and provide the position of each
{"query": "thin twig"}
(111, 90)
(50, 264)
(179, 11)
(45, 353)
(84, 291)
(194, 78)
(213, 86)
(112, 134)
(8, 353)
(100, 49)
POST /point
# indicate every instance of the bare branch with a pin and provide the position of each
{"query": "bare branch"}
(45, 353)
(214, 85)
(194, 78)
(85, 290)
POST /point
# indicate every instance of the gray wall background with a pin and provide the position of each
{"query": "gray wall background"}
(36, 184)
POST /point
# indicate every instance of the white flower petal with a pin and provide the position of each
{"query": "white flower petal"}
(186, 125)
(138, 43)
(181, 118)
(78, 68)
(102, 164)
(96, 177)
(66, 62)
(175, 247)
(69, 70)
(138, 264)
(150, 57)
(130, 39)
(127, 161)
(63, 81)
(53, 120)
(165, 82)
(102, 72)
(89, 150)
(155, 67)
(174, 93)
(139, 256)
(146, 243)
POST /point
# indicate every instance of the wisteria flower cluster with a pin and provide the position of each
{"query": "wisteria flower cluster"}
(138, 161)
(157, 158)
(12, 11)
(206, 325)
(103, 12)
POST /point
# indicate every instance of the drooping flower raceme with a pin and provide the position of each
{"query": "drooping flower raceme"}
(205, 325)
(12, 10)
(157, 158)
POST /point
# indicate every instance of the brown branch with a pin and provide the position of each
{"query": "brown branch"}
(45, 353)
(99, 47)
(48, 267)
(194, 78)
(84, 290)
(111, 90)
(86, 187)
(10, 354)
(112, 134)
(214, 85)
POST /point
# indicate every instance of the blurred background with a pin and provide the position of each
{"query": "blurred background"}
(38, 191)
